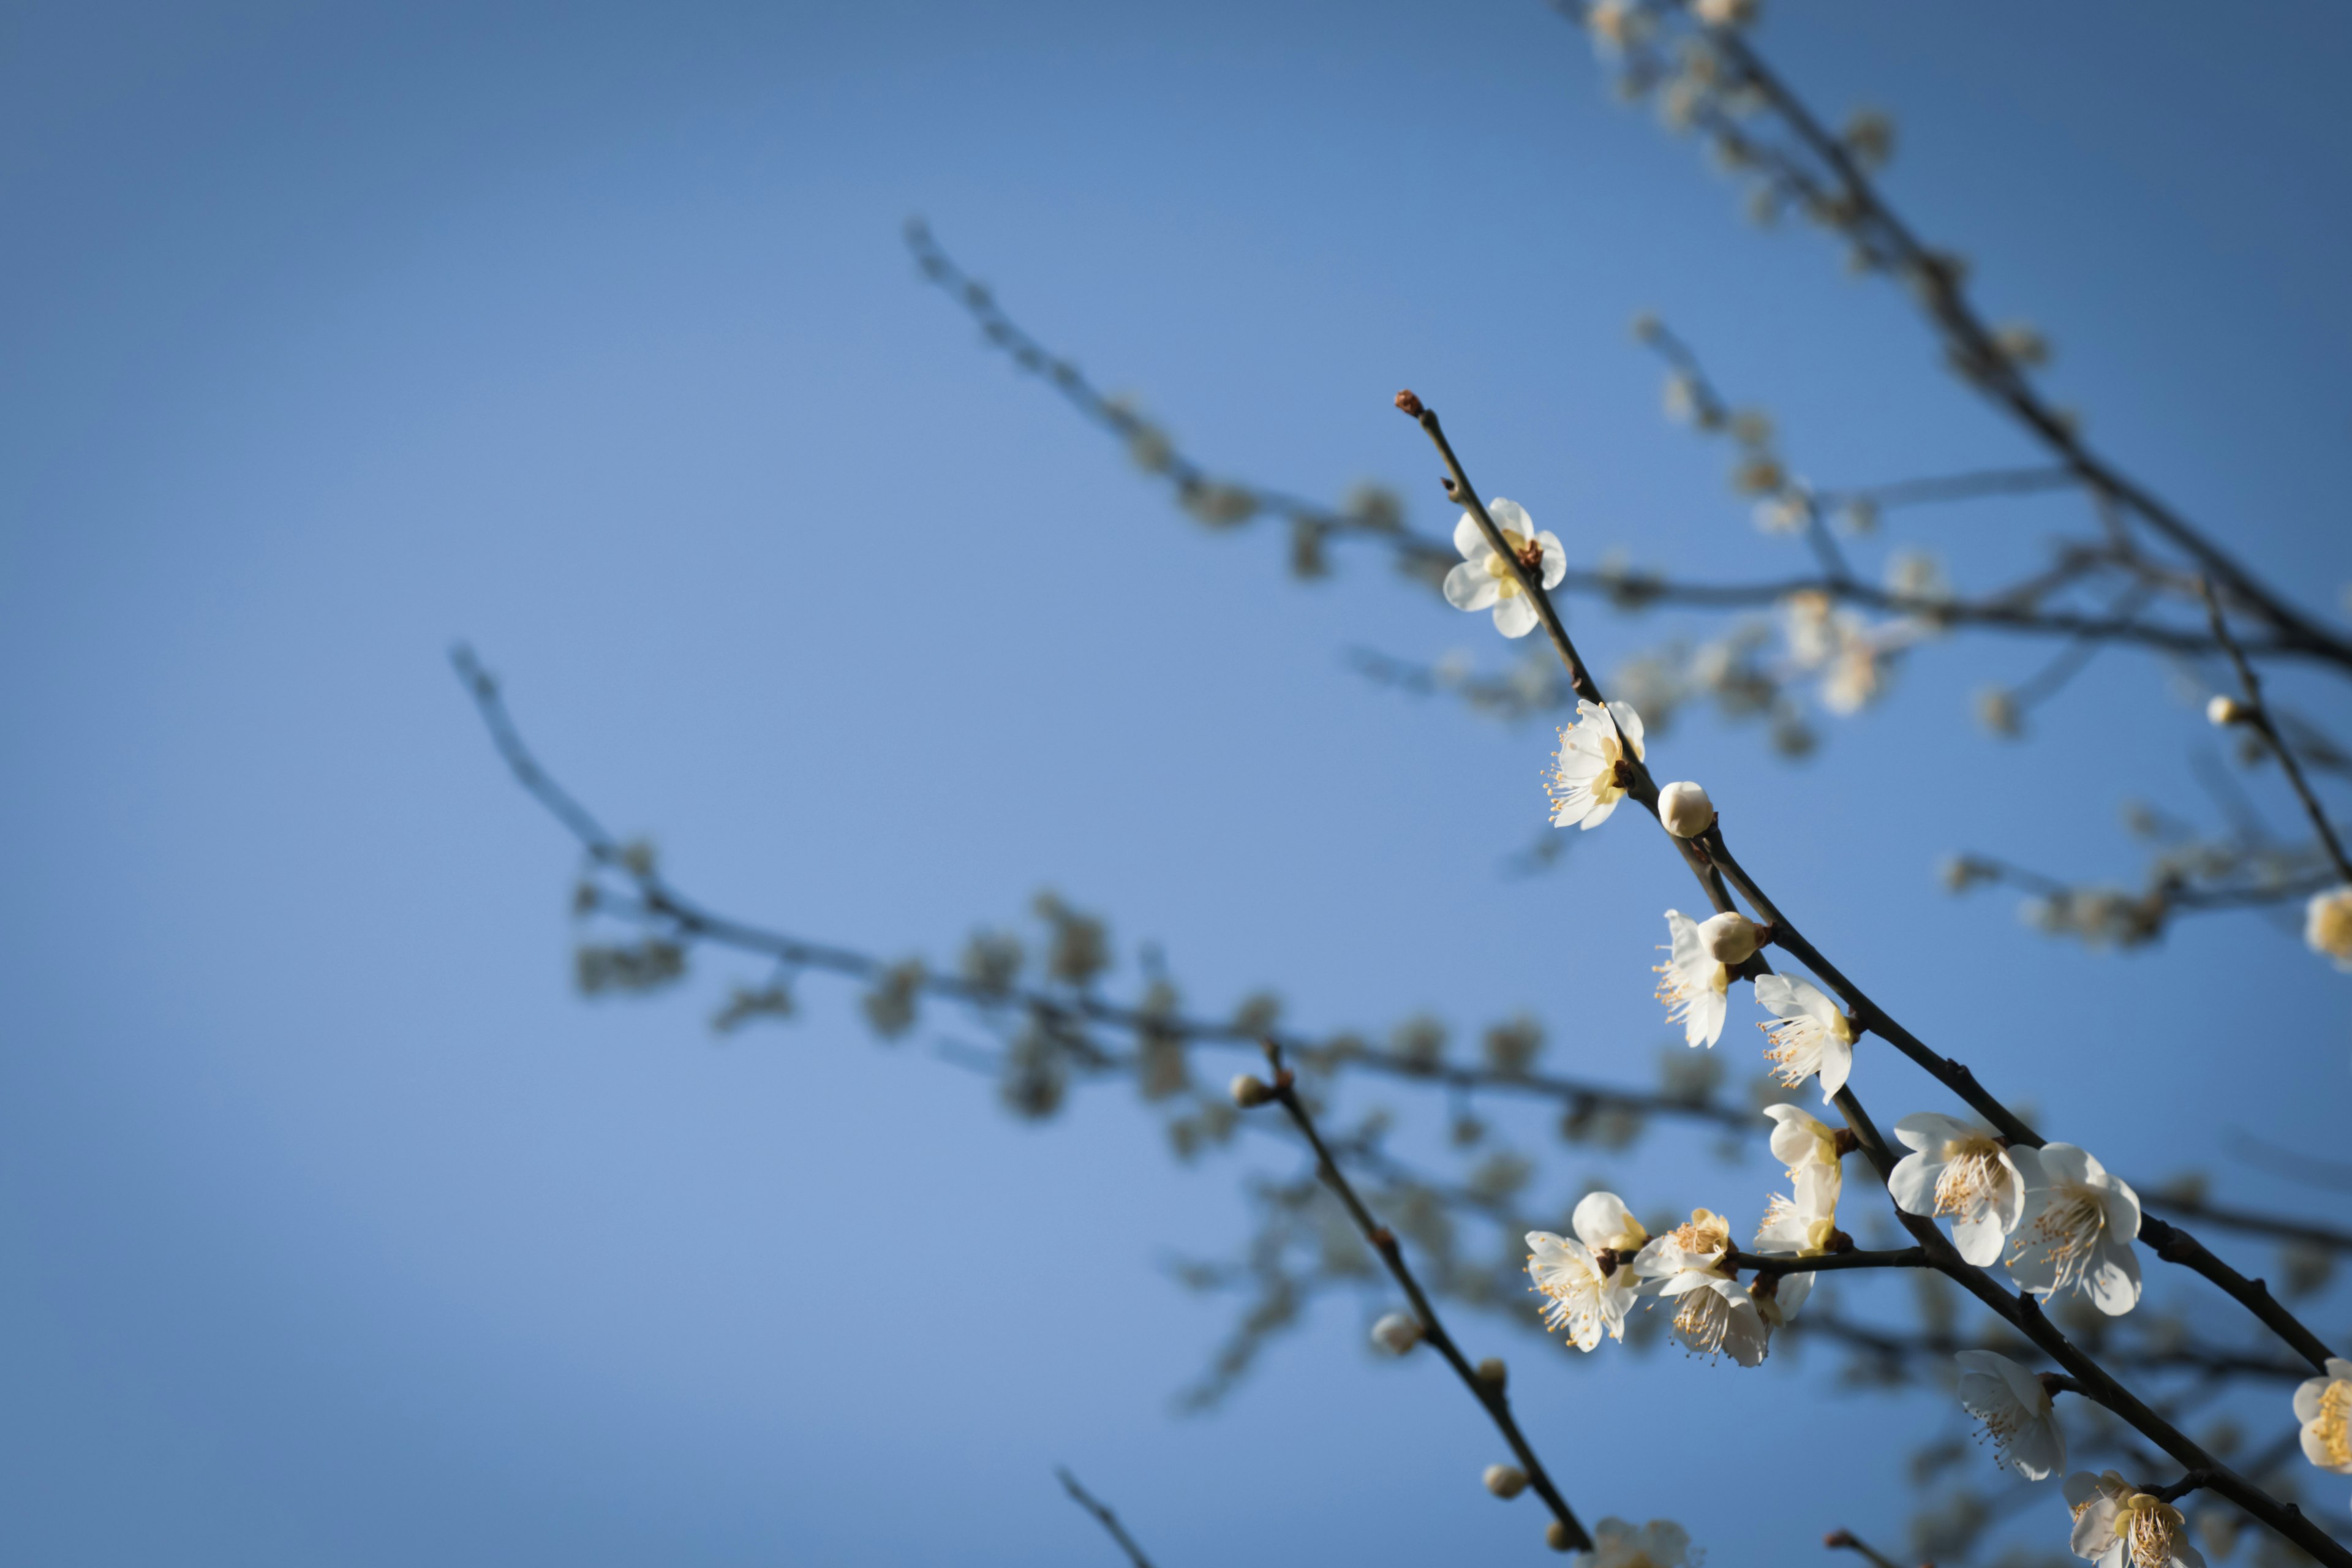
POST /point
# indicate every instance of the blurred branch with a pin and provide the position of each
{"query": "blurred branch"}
(1104, 1517)
(1487, 1380)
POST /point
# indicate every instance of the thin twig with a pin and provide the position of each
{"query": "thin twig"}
(2258, 716)
(1102, 1516)
(1484, 1381)
(1847, 1540)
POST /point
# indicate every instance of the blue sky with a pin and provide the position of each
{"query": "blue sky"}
(339, 1230)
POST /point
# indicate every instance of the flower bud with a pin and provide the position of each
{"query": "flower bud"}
(1249, 1090)
(1556, 1537)
(1397, 1333)
(1685, 810)
(1505, 1481)
(1730, 938)
(2224, 711)
(1491, 1371)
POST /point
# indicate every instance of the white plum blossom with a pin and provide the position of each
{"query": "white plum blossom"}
(1594, 765)
(2118, 1526)
(2016, 1411)
(1615, 24)
(2324, 1405)
(1691, 983)
(2074, 1228)
(1804, 1226)
(1959, 1172)
(1587, 1299)
(1713, 1315)
(1486, 579)
(1660, 1544)
(1799, 1141)
(1812, 1037)
(2328, 925)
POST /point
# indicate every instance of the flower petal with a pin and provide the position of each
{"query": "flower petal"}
(1470, 586)
(1514, 616)
(1471, 540)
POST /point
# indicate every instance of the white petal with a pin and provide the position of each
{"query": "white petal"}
(1912, 1183)
(1629, 724)
(1471, 540)
(1515, 617)
(1510, 517)
(1599, 815)
(2113, 1281)
(1470, 586)
(1837, 1065)
(1555, 559)
(1978, 1239)
(1931, 1130)
(2039, 1450)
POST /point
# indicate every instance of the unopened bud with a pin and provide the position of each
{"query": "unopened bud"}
(1491, 1371)
(1408, 405)
(1685, 810)
(1556, 1536)
(1397, 1333)
(1505, 1481)
(1249, 1090)
(1731, 938)
(2224, 711)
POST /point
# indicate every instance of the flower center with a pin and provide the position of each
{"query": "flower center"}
(1972, 1174)
(2150, 1529)
(2333, 1425)
(2068, 1232)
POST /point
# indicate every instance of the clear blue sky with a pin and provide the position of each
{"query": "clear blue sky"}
(335, 1229)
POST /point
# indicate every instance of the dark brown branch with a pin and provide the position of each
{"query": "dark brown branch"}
(1847, 1540)
(1104, 1517)
(1773, 1263)
(1488, 1390)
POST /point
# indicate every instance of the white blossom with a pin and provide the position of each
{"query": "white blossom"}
(1486, 579)
(2016, 1411)
(1960, 1172)
(1691, 983)
(2117, 1526)
(2324, 1405)
(1588, 1299)
(2328, 925)
(1615, 24)
(2074, 1228)
(1730, 938)
(1802, 1226)
(1594, 765)
(1713, 1315)
(1725, 13)
(1799, 1140)
(1812, 1037)
(1660, 1544)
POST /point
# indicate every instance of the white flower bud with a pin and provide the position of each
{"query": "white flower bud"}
(1249, 1090)
(2224, 711)
(1397, 1333)
(1730, 938)
(1685, 810)
(1505, 1481)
